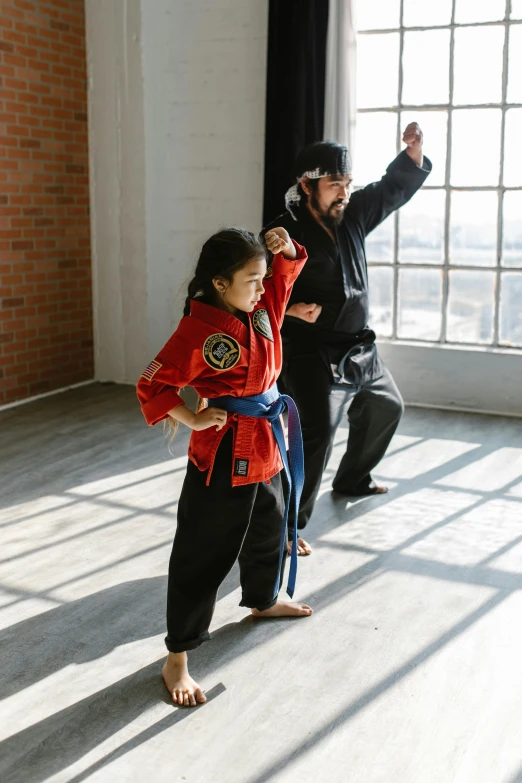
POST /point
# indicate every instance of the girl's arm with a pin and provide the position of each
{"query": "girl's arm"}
(159, 385)
(209, 417)
(287, 263)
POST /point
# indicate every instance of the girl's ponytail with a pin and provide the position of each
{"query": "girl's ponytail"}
(194, 288)
(221, 257)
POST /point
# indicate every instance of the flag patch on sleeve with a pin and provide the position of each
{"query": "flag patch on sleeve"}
(151, 370)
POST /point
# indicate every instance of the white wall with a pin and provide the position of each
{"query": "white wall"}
(458, 378)
(205, 77)
(177, 112)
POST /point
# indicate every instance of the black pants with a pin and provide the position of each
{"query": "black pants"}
(217, 525)
(374, 410)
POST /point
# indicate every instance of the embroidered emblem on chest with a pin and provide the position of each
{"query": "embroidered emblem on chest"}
(262, 325)
(221, 352)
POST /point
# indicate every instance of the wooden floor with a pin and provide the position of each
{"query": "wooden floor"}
(410, 670)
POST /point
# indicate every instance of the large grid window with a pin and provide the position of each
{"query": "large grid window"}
(448, 266)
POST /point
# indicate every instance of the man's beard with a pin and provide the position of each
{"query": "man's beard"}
(331, 217)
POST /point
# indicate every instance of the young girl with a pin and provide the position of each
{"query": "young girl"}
(232, 504)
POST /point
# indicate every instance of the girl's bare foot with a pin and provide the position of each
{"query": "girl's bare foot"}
(303, 547)
(180, 685)
(285, 609)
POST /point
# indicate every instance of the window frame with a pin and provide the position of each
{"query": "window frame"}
(446, 267)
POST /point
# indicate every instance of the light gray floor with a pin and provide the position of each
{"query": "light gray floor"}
(410, 670)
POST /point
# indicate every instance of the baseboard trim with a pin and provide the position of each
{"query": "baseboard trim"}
(16, 403)
(458, 409)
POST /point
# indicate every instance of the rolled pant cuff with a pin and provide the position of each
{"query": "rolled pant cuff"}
(259, 607)
(190, 644)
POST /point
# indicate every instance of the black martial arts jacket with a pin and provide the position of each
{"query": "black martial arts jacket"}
(336, 275)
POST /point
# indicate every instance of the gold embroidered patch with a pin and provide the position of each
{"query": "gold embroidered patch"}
(269, 273)
(262, 325)
(221, 352)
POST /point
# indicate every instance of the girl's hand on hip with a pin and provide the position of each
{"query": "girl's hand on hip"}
(210, 417)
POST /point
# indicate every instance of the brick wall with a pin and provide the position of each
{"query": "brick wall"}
(45, 265)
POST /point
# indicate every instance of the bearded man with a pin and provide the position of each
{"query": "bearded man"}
(331, 365)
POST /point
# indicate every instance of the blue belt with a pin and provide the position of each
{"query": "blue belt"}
(271, 405)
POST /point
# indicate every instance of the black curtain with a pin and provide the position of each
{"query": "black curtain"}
(296, 74)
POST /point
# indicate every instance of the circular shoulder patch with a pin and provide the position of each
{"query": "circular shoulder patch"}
(221, 352)
(269, 273)
(262, 325)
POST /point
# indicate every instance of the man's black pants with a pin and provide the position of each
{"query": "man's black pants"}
(374, 410)
(217, 525)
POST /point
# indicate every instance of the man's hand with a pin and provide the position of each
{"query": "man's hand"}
(278, 241)
(413, 138)
(307, 312)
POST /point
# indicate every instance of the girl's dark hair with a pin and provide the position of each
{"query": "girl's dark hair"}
(222, 256)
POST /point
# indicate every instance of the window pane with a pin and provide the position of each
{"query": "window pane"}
(375, 145)
(379, 243)
(479, 10)
(516, 9)
(420, 297)
(478, 78)
(378, 14)
(512, 237)
(380, 89)
(514, 90)
(426, 67)
(473, 228)
(421, 228)
(434, 126)
(424, 13)
(381, 290)
(475, 158)
(470, 307)
(512, 156)
(510, 310)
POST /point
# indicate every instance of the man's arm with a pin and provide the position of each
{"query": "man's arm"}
(404, 176)
(307, 312)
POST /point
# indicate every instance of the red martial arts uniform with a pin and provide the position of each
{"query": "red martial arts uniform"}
(228, 509)
(218, 355)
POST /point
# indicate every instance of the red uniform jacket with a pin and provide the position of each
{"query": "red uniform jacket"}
(218, 355)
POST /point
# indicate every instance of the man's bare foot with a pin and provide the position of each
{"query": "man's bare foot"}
(373, 489)
(179, 683)
(285, 609)
(303, 547)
